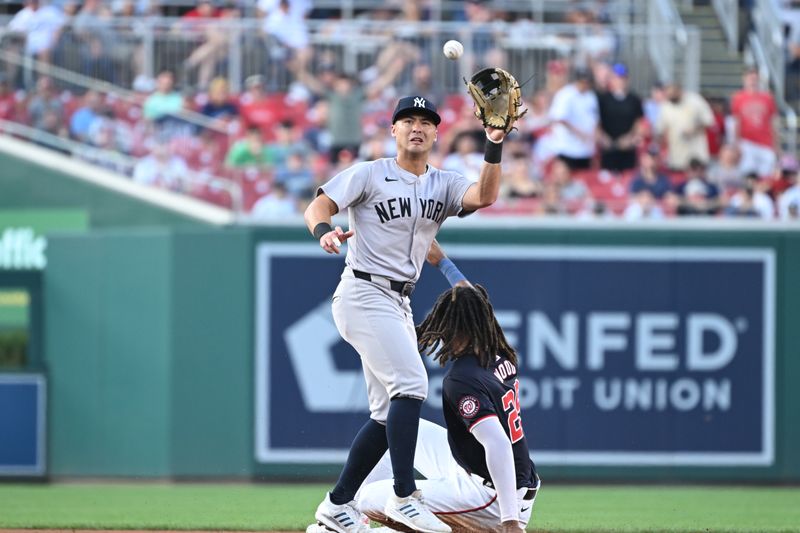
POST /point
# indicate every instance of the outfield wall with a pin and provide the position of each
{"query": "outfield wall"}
(209, 352)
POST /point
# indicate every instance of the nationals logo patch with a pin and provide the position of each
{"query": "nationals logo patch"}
(468, 406)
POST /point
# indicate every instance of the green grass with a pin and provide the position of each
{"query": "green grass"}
(596, 509)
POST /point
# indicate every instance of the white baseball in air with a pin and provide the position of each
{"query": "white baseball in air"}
(453, 49)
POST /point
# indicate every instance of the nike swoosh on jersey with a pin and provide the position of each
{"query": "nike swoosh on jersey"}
(387, 178)
(524, 509)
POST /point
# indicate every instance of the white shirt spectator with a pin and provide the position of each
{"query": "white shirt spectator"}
(762, 203)
(41, 26)
(468, 165)
(789, 204)
(289, 27)
(579, 109)
(276, 204)
(162, 170)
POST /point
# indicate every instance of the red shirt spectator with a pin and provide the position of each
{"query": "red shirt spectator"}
(259, 110)
(716, 132)
(8, 101)
(204, 10)
(754, 112)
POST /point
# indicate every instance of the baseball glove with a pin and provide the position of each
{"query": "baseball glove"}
(497, 97)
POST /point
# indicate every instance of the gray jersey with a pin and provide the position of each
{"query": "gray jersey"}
(395, 214)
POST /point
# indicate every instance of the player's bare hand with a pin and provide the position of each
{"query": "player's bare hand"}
(511, 526)
(333, 240)
(435, 254)
(495, 134)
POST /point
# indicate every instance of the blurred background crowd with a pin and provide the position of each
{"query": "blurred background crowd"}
(250, 105)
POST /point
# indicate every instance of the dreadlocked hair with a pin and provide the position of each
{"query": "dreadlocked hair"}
(462, 322)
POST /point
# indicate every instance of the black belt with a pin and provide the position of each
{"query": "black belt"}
(405, 288)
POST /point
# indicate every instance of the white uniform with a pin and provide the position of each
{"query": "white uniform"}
(460, 499)
(395, 215)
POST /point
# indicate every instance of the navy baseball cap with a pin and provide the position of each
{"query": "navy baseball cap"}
(415, 104)
(620, 70)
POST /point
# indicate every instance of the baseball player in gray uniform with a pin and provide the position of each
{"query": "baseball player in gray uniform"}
(395, 208)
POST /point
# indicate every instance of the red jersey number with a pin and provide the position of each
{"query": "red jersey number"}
(511, 404)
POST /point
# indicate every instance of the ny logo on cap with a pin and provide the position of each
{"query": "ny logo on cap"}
(419, 102)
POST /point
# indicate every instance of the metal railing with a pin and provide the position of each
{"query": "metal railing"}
(790, 122)
(728, 14)
(120, 163)
(674, 47)
(769, 32)
(238, 48)
(68, 78)
(438, 10)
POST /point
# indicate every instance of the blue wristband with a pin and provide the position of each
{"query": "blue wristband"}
(451, 272)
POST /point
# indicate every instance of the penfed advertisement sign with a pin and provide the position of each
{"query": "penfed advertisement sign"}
(628, 356)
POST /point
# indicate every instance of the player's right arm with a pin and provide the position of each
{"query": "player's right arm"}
(500, 461)
(318, 217)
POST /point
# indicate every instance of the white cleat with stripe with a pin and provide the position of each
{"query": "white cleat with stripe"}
(412, 512)
(341, 518)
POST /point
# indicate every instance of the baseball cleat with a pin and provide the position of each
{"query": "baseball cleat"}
(412, 512)
(341, 518)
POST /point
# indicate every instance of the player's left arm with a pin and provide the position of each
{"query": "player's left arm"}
(484, 192)
(449, 270)
(500, 461)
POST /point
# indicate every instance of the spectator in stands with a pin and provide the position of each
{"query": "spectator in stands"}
(109, 132)
(620, 129)
(652, 107)
(643, 206)
(41, 24)
(343, 112)
(594, 41)
(204, 10)
(220, 106)
(277, 204)
(479, 15)
(789, 201)
(466, 158)
(422, 83)
(682, 123)
(8, 100)
(256, 109)
(724, 172)
(216, 38)
(286, 141)
(574, 115)
(249, 151)
(92, 25)
(649, 178)
(556, 76)
(755, 114)
(52, 123)
(165, 100)
(45, 102)
(82, 119)
(285, 21)
(162, 169)
(698, 196)
(517, 180)
(572, 192)
(785, 178)
(716, 133)
(752, 200)
(296, 175)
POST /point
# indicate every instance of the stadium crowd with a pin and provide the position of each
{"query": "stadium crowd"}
(588, 147)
